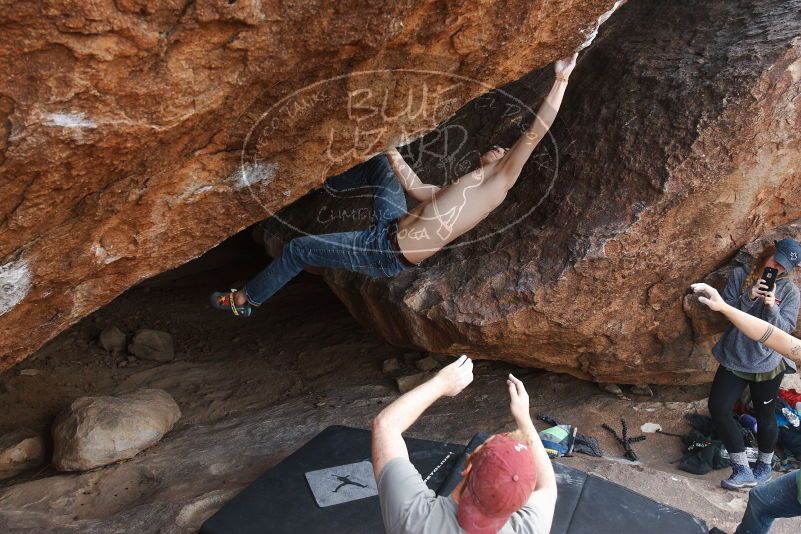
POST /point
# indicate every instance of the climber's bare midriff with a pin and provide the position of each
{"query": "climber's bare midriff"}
(453, 211)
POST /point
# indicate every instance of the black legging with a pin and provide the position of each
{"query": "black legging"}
(726, 390)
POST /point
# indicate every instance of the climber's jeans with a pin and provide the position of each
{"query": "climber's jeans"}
(368, 252)
(777, 498)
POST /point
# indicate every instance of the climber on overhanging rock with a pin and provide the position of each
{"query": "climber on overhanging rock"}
(399, 239)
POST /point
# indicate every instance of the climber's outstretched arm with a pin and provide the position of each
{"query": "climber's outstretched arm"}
(408, 179)
(512, 163)
(753, 327)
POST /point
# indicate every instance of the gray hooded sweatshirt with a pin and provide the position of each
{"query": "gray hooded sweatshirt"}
(736, 351)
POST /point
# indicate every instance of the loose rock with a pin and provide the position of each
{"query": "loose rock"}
(429, 363)
(97, 431)
(19, 451)
(409, 382)
(390, 366)
(153, 345)
(642, 389)
(112, 339)
(614, 389)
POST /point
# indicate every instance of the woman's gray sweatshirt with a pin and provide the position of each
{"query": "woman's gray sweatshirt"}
(736, 351)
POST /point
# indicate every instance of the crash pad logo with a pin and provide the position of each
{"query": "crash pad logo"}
(351, 118)
(341, 484)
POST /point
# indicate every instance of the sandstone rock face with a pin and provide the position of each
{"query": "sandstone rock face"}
(672, 151)
(19, 451)
(97, 431)
(135, 135)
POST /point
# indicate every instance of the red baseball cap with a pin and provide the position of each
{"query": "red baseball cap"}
(499, 484)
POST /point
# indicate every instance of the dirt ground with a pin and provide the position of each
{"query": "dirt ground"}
(252, 391)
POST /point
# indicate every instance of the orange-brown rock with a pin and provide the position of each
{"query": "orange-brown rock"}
(136, 134)
(679, 141)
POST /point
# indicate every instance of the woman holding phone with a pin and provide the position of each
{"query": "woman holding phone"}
(781, 497)
(767, 293)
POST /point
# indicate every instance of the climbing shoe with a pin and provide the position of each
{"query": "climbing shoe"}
(224, 300)
(741, 477)
(762, 472)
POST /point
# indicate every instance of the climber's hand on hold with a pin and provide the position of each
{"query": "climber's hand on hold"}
(564, 67)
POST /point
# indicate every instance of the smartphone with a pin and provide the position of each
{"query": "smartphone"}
(769, 276)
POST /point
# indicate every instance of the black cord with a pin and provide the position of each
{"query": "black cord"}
(625, 441)
(660, 431)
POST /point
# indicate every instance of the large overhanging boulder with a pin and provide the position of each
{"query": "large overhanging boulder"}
(679, 142)
(135, 135)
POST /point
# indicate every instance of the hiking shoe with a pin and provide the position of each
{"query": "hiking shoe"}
(224, 300)
(762, 472)
(741, 477)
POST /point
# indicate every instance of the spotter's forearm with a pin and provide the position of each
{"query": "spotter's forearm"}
(764, 332)
(545, 475)
(405, 410)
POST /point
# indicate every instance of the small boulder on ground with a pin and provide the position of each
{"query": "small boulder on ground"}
(112, 339)
(152, 345)
(390, 366)
(643, 390)
(409, 382)
(19, 451)
(609, 387)
(429, 363)
(614, 389)
(97, 431)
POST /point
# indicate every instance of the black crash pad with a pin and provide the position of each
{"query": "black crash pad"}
(281, 501)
